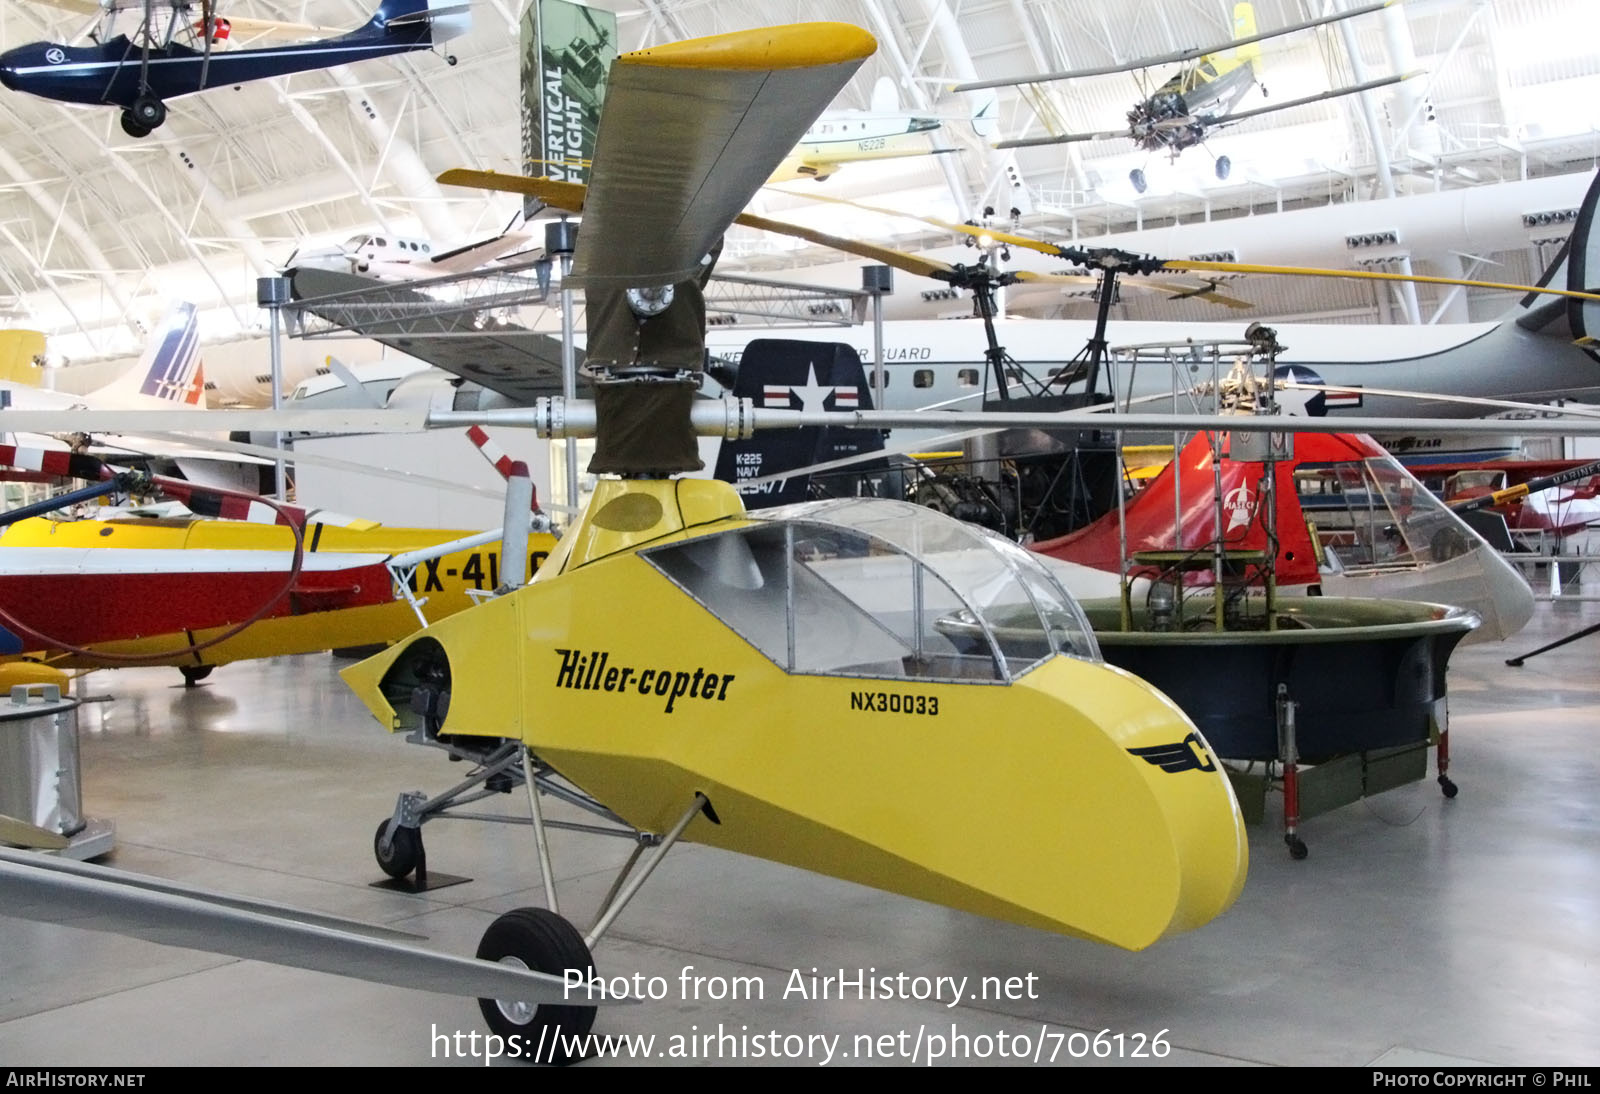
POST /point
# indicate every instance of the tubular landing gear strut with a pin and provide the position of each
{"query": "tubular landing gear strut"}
(534, 938)
(1291, 769)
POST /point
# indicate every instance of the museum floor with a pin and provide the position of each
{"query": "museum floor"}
(1418, 931)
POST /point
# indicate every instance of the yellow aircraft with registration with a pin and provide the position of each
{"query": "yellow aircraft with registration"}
(804, 685)
(327, 610)
(147, 589)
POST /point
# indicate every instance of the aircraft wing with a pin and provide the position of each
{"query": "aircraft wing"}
(819, 165)
(1067, 138)
(1338, 92)
(512, 361)
(472, 255)
(1193, 53)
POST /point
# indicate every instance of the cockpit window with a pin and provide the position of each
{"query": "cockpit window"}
(884, 590)
(1371, 513)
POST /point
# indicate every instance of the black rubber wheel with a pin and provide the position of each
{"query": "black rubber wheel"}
(1224, 167)
(1448, 786)
(131, 126)
(1136, 176)
(405, 850)
(538, 939)
(148, 111)
(193, 674)
(1297, 847)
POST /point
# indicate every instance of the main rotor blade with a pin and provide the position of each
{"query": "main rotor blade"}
(22, 834)
(1190, 54)
(202, 421)
(98, 900)
(900, 260)
(1205, 290)
(267, 907)
(666, 183)
(1371, 275)
(1076, 254)
(553, 192)
(1107, 411)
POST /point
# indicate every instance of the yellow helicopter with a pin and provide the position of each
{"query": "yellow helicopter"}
(817, 685)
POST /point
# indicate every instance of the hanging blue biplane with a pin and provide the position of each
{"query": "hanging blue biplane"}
(173, 51)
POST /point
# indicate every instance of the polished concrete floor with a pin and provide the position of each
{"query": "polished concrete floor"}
(1420, 930)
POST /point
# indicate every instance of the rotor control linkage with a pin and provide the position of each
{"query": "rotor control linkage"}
(126, 481)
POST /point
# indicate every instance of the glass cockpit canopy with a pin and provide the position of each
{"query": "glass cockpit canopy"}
(866, 587)
(1370, 512)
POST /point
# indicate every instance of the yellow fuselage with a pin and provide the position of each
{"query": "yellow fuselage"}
(1016, 800)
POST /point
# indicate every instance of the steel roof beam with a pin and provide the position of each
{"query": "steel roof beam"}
(69, 225)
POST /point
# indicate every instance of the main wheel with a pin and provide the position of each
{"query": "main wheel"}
(148, 111)
(131, 126)
(405, 850)
(1136, 176)
(538, 939)
(1224, 166)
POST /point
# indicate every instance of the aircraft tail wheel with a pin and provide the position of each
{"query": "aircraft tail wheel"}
(450, 59)
(148, 111)
(1448, 787)
(1224, 166)
(1136, 176)
(1297, 847)
(193, 674)
(131, 126)
(538, 939)
(403, 853)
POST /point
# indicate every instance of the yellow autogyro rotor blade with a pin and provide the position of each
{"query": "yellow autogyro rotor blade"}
(569, 196)
(1074, 254)
(1371, 275)
(1205, 290)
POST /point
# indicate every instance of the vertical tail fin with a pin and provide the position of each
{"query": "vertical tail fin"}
(801, 375)
(1576, 267)
(169, 371)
